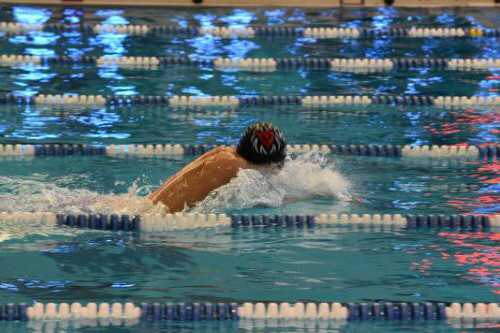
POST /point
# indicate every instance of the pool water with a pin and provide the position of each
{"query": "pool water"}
(223, 265)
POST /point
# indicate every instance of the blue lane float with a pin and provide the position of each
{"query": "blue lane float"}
(101, 222)
(177, 150)
(207, 311)
(325, 32)
(361, 65)
(66, 150)
(154, 222)
(187, 101)
(168, 222)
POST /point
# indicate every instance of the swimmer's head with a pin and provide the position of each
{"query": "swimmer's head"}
(262, 143)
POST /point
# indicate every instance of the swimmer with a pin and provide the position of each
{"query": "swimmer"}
(262, 145)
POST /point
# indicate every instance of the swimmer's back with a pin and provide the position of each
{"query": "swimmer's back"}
(196, 180)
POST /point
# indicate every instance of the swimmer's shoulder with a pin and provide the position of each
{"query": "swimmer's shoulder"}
(217, 151)
(221, 152)
(228, 156)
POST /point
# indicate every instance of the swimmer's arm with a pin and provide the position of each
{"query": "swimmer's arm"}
(193, 183)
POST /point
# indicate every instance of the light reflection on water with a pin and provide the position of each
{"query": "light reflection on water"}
(467, 250)
(24, 14)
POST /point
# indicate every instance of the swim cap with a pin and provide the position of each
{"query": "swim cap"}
(262, 143)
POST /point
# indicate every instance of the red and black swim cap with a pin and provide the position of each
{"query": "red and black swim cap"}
(262, 143)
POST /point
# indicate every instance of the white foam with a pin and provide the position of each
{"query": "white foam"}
(307, 176)
(36, 194)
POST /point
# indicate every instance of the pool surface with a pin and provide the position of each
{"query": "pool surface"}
(55, 264)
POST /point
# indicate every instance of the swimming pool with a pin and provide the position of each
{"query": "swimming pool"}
(326, 263)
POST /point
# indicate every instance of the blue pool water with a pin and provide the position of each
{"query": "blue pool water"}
(221, 265)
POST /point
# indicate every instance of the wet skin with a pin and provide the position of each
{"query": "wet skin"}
(196, 180)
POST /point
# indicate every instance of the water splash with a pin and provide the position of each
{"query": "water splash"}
(308, 176)
(35, 195)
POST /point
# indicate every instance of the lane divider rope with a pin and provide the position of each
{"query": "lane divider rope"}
(186, 101)
(163, 150)
(166, 222)
(15, 28)
(194, 311)
(260, 64)
(251, 32)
